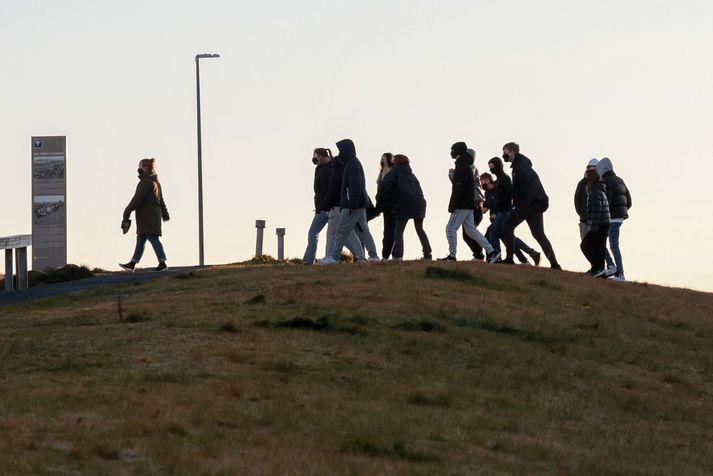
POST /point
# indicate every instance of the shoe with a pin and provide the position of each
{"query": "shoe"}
(618, 278)
(427, 258)
(448, 258)
(130, 266)
(525, 263)
(494, 256)
(610, 271)
(373, 259)
(161, 267)
(479, 257)
(505, 261)
(556, 266)
(599, 273)
(327, 260)
(536, 257)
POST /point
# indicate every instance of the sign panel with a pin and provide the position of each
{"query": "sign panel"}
(49, 202)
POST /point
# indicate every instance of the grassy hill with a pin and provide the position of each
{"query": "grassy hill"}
(410, 368)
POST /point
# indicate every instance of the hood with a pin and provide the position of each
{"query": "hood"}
(465, 158)
(149, 174)
(347, 151)
(605, 166)
(521, 159)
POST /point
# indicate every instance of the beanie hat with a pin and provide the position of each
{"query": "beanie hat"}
(592, 163)
(459, 148)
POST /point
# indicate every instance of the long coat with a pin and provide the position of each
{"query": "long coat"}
(149, 206)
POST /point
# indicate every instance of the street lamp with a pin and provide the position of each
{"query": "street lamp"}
(201, 260)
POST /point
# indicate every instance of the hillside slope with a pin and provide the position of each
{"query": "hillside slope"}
(410, 368)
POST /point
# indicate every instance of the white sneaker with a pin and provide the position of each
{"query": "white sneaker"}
(327, 260)
(611, 270)
(492, 258)
(617, 278)
(374, 259)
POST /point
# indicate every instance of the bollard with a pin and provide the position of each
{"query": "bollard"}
(8, 270)
(280, 243)
(260, 225)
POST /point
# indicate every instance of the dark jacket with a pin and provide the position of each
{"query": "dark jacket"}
(503, 191)
(331, 197)
(617, 191)
(492, 202)
(353, 193)
(322, 179)
(463, 185)
(597, 207)
(400, 193)
(527, 188)
(580, 200)
(149, 206)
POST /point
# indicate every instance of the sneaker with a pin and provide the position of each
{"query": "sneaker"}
(536, 257)
(161, 267)
(505, 261)
(610, 271)
(327, 260)
(493, 257)
(448, 258)
(480, 257)
(556, 266)
(130, 266)
(374, 259)
(618, 278)
(427, 258)
(599, 273)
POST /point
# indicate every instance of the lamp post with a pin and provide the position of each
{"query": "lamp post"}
(201, 260)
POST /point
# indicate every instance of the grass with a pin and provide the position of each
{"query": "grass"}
(463, 368)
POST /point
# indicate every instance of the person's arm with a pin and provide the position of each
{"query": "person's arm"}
(628, 198)
(142, 191)
(460, 179)
(578, 196)
(385, 192)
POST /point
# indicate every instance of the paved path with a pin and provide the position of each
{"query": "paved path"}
(59, 289)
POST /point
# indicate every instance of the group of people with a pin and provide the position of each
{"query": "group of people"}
(344, 207)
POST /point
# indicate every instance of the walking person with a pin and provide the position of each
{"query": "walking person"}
(353, 203)
(529, 204)
(322, 176)
(400, 193)
(462, 203)
(594, 242)
(474, 246)
(619, 205)
(580, 206)
(330, 204)
(385, 166)
(150, 210)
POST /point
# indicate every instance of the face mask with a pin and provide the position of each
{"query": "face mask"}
(491, 167)
(140, 171)
(454, 154)
(506, 158)
(314, 160)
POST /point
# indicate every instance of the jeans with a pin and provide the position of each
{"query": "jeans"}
(464, 217)
(388, 241)
(594, 245)
(349, 221)
(475, 248)
(399, 228)
(353, 244)
(614, 230)
(141, 244)
(495, 233)
(319, 221)
(534, 215)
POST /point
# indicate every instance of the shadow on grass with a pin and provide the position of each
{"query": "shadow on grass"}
(422, 325)
(396, 451)
(258, 299)
(441, 400)
(482, 322)
(324, 323)
(433, 272)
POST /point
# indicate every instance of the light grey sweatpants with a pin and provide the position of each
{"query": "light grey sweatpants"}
(465, 218)
(350, 223)
(353, 244)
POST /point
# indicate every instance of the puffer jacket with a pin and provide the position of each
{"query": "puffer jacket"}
(597, 207)
(527, 187)
(149, 206)
(400, 192)
(580, 200)
(617, 191)
(463, 185)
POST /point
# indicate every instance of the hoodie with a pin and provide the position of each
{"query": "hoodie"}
(527, 188)
(463, 185)
(617, 191)
(400, 192)
(353, 193)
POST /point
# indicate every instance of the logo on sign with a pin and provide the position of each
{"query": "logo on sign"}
(37, 142)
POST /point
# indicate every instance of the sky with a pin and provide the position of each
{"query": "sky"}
(569, 81)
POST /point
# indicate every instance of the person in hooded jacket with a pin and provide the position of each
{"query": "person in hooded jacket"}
(353, 203)
(385, 166)
(400, 192)
(322, 177)
(529, 204)
(330, 204)
(594, 242)
(619, 205)
(150, 210)
(474, 246)
(462, 203)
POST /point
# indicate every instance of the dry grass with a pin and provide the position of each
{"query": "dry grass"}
(360, 369)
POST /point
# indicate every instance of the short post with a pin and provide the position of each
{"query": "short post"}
(8, 270)
(260, 225)
(21, 266)
(280, 243)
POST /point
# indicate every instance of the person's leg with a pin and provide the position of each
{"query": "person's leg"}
(518, 251)
(399, 227)
(362, 225)
(331, 230)
(157, 247)
(318, 222)
(586, 247)
(614, 230)
(347, 221)
(139, 250)
(514, 217)
(536, 222)
(454, 222)
(469, 227)
(388, 241)
(583, 228)
(474, 246)
(496, 230)
(423, 238)
(355, 247)
(599, 246)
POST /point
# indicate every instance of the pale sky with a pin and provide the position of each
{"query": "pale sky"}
(569, 81)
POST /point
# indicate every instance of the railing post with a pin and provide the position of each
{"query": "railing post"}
(8, 270)
(260, 225)
(280, 243)
(21, 266)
